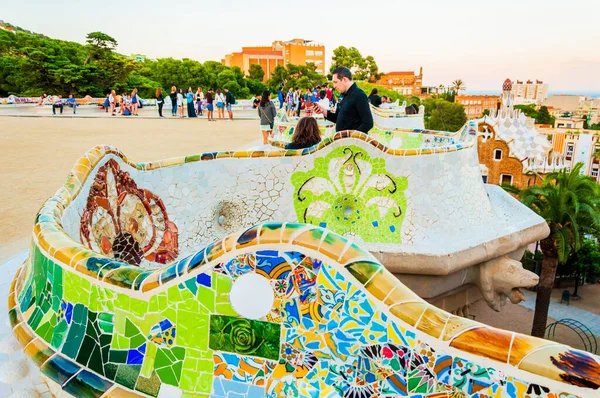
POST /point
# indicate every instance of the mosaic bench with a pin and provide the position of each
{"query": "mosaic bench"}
(166, 279)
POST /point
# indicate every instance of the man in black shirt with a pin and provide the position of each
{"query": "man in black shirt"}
(353, 112)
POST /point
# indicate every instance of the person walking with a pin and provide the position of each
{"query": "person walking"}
(173, 97)
(229, 101)
(353, 112)
(220, 100)
(199, 100)
(160, 101)
(190, 103)
(209, 105)
(267, 113)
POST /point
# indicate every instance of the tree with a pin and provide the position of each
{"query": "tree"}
(585, 264)
(528, 110)
(256, 72)
(568, 202)
(362, 68)
(100, 44)
(544, 117)
(458, 85)
(444, 115)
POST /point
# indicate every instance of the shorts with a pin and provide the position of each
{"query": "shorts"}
(266, 127)
(220, 105)
(209, 107)
(228, 107)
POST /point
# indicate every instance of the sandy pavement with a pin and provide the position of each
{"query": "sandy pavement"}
(39, 152)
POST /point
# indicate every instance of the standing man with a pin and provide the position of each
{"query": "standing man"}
(353, 112)
(229, 100)
(280, 97)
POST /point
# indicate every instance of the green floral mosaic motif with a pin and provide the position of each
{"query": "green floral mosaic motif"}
(350, 192)
(244, 336)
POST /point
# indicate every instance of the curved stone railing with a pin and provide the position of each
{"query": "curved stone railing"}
(275, 310)
(397, 118)
(401, 203)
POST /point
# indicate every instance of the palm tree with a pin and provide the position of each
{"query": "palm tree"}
(458, 85)
(570, 204)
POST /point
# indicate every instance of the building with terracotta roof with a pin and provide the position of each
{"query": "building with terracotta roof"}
(295, 52)
(406, 83)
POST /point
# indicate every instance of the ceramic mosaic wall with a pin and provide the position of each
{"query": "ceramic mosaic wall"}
(340, 326)
(352, 194)
(285, 126)
(444, 191)
(396, 117)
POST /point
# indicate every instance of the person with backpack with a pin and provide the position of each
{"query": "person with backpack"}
(229, 100)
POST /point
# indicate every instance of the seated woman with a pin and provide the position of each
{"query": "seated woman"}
(306, 135)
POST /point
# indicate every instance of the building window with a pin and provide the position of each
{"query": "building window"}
(484, 178)
(595, 172)
(319, 53)
(497, 154)
(310, 53)
(570, 149)
(318, 62)
(506, 179)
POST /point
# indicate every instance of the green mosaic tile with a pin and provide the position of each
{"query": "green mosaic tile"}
(110, 370)
(204, 383)
(149, 360)
(244, 336)
(130, 329)
(127, 375)
(139, 307)
(226, 309)
(60, 331)
(364, 270)
(167, 376)
(118, 356)
(206, 296)
(149, 386)
(221, 283)
(76, 331)
(35, 318)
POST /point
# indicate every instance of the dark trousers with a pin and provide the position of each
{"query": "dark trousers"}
(191, 110)
(160, 105)
(54, 106)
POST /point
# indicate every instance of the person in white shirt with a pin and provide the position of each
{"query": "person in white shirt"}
(199, 101)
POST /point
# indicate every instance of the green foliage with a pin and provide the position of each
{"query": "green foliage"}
(585, 262)
(295, 76)
(595, 126)
(444, 115)
(32, 64)
(394, 95)
(570, 204)
(544, 117)
(527, 110)
(486, 112)
(541, 116)
(362, 68)
(256, 72)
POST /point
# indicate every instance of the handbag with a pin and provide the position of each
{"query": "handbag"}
(270, 121)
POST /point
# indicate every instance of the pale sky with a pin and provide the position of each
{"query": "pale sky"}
(480, 42)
